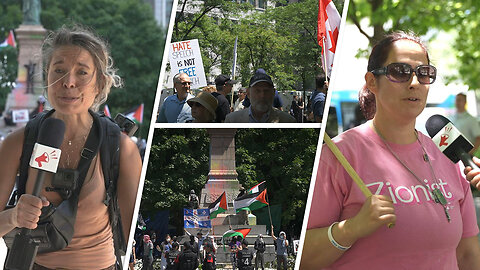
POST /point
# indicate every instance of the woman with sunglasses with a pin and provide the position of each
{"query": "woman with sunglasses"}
(421, 214)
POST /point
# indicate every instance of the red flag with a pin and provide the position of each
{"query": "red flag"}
(106, 111)
(9, 41)
(136, 114)
(328, 29)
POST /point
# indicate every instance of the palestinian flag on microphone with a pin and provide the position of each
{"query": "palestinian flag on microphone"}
(250, 202)
(237, 232)
(258, 188)
(218, 206)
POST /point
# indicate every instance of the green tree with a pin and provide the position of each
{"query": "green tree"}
(179, 162)
(10, 19)
(422, 17)
(281, 40)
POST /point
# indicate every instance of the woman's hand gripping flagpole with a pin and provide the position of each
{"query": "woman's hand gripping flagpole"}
(346, 165)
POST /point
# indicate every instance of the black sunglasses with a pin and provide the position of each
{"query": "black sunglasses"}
(185, 83)
(402, 72)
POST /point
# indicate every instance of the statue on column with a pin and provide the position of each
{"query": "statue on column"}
(193, 201)
(31, 12)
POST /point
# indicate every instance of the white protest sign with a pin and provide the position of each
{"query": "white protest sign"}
(20, 116)
(185, 57)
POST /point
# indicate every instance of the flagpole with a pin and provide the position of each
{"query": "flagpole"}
(325, 68)
(268, 206)
(234, 67)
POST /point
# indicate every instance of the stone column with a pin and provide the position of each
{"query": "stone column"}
(223, 175)
(29, 39)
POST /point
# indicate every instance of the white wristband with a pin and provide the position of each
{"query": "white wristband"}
(334, 243)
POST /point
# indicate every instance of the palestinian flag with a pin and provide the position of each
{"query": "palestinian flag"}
(106, 111)
(136, 114)
(9, 41)
(237, 232)
(258, 188)
(250, 201)
(218, 206)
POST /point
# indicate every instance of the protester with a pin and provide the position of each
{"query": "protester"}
(133, 258)
(297, 108)
(466, 123)
(209, 261)
(245, 257)
(203, 107)
(317, 100)
(260, 92)
(421, 215)
(242, 93)
(79, 75)
(224, 86)
(188, 260)
(172, 257)
(233, 245)
(174, 108)
(165, 247)
(260, 247)
(147, 262)
(281, 244)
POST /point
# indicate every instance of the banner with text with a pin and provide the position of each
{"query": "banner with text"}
(185, 57)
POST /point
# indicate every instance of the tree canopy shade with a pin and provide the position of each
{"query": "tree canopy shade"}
(179, 162)
(136, 43)
(424, 17)
(281, 39)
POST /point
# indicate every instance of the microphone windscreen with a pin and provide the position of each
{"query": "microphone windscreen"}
(435, 123)
(51, 132)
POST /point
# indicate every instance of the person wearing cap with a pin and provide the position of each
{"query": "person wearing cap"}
(259, 246)
(203, 107)
(244, 257)
(317, 100)
(282, 244)
(261, 93)
(209, 260)
(224, 86)
(242, 93)
(174, 109)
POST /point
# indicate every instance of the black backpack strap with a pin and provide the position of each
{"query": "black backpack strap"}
(110, 158)
(31, 134)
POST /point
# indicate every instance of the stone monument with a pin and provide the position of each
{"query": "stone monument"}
(223, 177)
(30, 35)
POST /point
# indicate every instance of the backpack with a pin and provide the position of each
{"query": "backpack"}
(188, 260)
(110, 160)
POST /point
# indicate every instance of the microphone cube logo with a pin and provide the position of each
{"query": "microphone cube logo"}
(446, 136)
(45, 158)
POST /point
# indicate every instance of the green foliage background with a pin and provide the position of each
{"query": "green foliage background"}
(136, 44)
(281, 40)
(427, 18)
(179, 162)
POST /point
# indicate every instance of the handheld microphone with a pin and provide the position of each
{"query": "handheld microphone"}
(45, 157)
(450, 140)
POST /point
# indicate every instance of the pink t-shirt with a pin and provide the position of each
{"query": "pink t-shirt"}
(422, 237)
